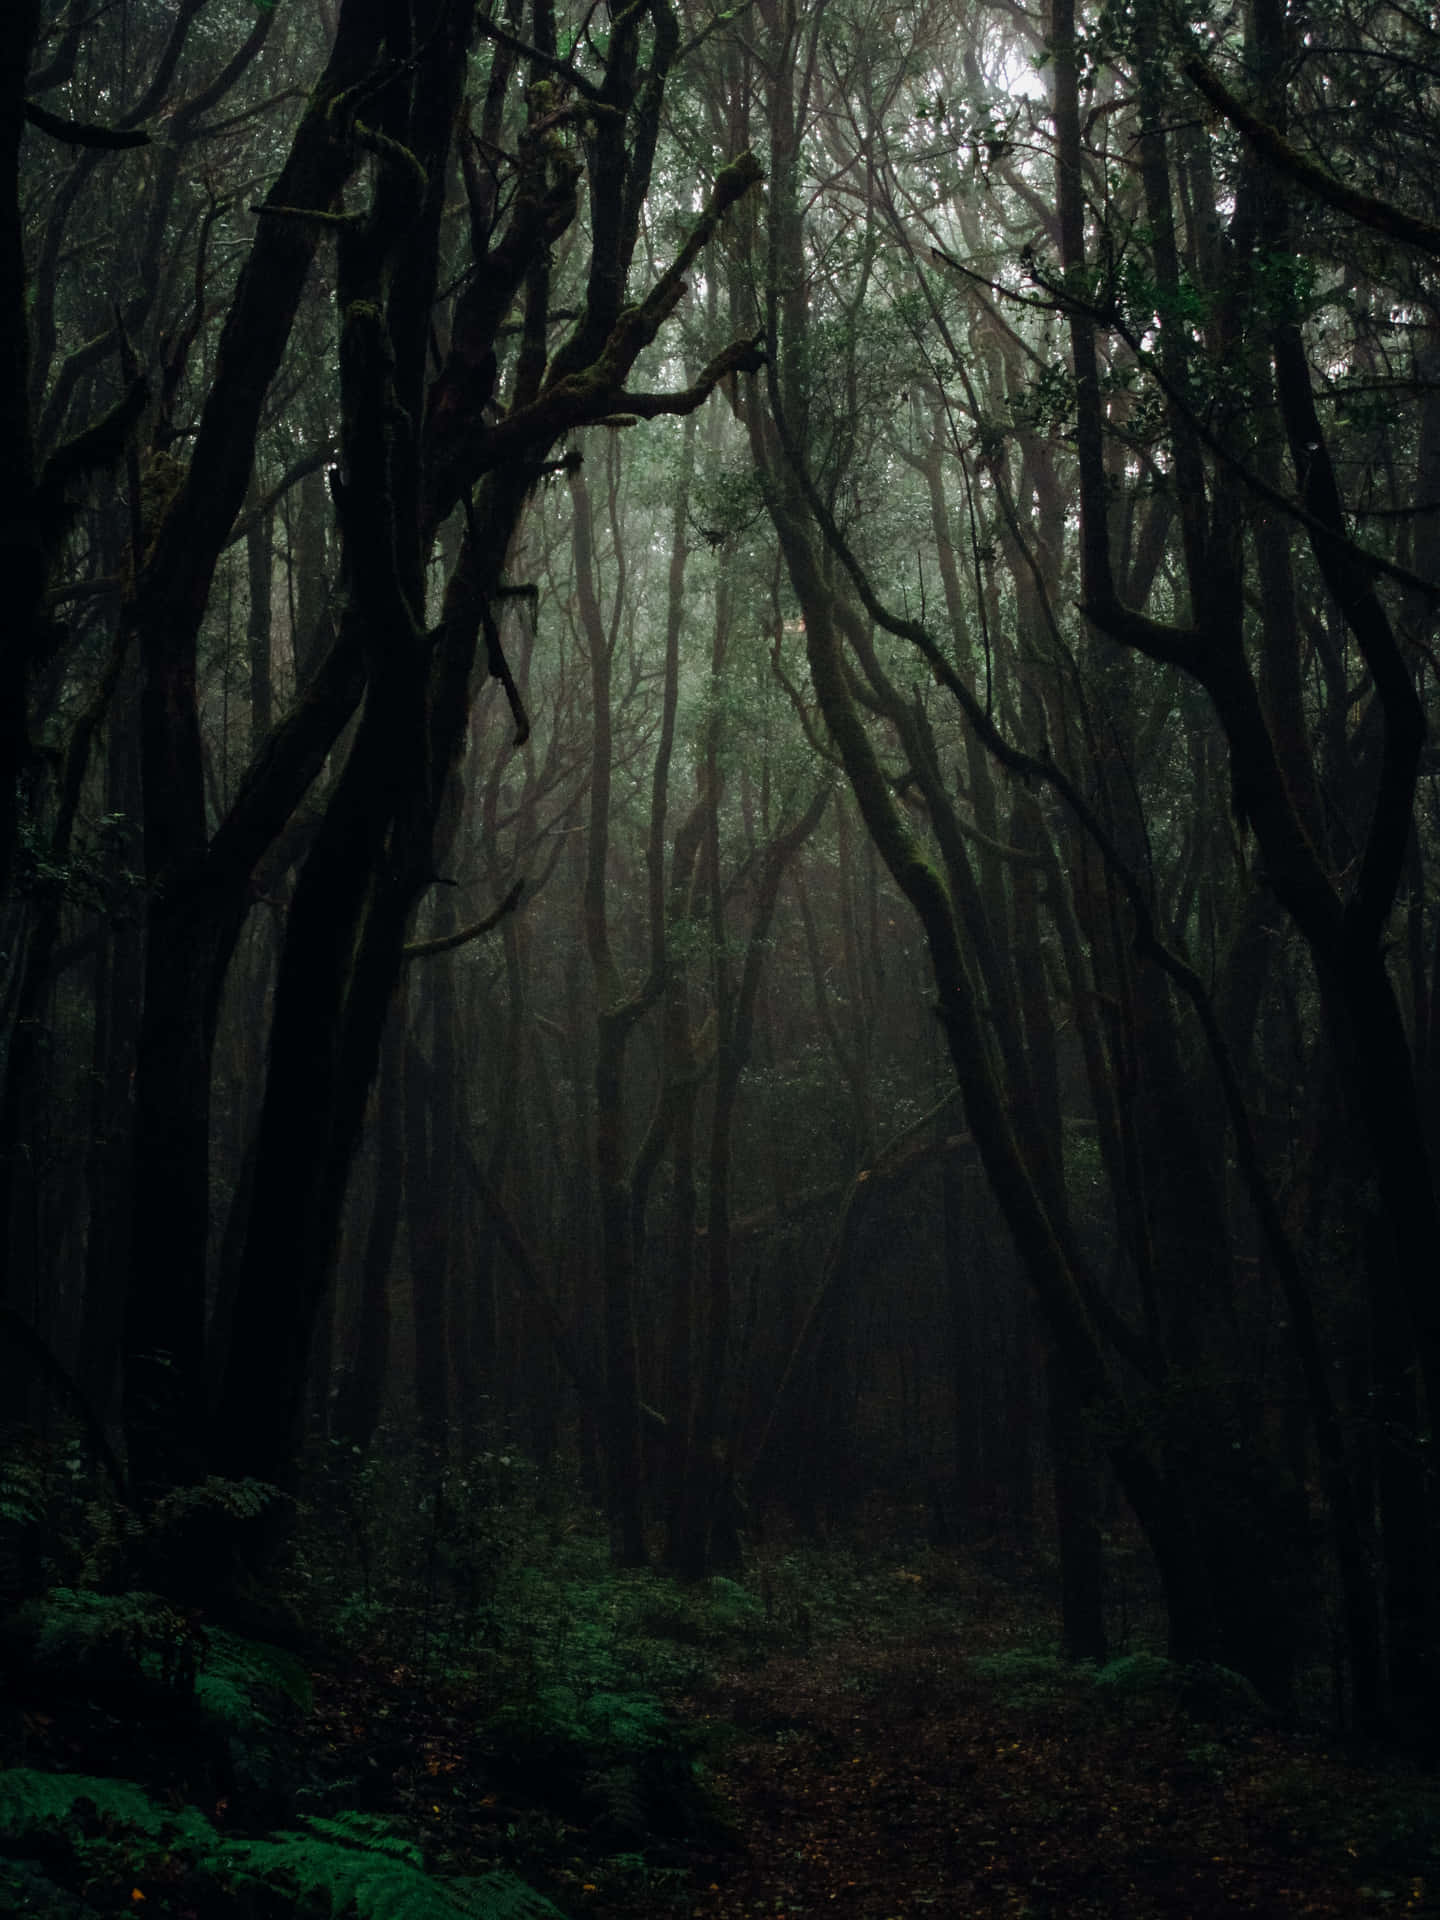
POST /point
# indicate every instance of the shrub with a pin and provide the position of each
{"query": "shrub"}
(615, 1759)
(1027, 1677)
(109, 1834)
(1202, 1690)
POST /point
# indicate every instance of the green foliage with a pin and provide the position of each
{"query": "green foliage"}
(436, 1585)
(93, 874)
(1202, 1690)
(1138, 1685)
(626, 1722)
(112, 1638)
(103, 1836)
(136, 1653)
(102, 1831)
(237, 1499)
(617, 1759)
(30, 1800)
(1025, 1678)
(728, 504)
(1136, 1673)
(1047, 403)
(503, 1896)
(22, 1496)
(22, 1516)
(187, 1529)
(569, 1620)
(47, 1511)
(241, 1679)
(354, 1863)
(811, 1592)
(708, 1612)
(557, 1728)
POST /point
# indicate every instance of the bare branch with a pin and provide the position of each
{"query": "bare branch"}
(446, 943)
(80, 133)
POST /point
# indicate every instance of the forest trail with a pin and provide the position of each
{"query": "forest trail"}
(890, 1783)
(878, 1741)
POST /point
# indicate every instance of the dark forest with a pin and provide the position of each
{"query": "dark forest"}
(719, 958)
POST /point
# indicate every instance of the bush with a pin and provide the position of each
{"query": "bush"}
(1135, 1686)
(1201, 1690)
(1028, 1677)
(616, 1760)
(108, 1841)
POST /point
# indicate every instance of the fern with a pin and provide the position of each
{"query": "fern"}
(183, 1531)
(1203, 1689)
(549, 1722)
(354, 1863)
(626, 1722)
(22, 1495)
(235, 1499)
(1027, 1679)
(352, 1829)
(349, 1864)
(32, 1802)
(237, 1676)
(1200, 1691)
(621, 1801)
(617, 1760)
(22, 1516)
(1138, 1673)
(127, 1635)
(609, 1725)
(124, 1638)
(502, 1896)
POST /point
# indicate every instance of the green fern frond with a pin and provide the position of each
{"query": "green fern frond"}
(1202, 1689)
(621, 1802)
(369, 1830)
(32, 1802)
(501, 1896)
(350, 1864)
(242, 1682)
(601, 1724)
(357, 1865)
(626, 1722)
(23, 1531)
(238, 1674)
(126, 1633)
(236, 1499)
(22, 1494)
(1138, 1673)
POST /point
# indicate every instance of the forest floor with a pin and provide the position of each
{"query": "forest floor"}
(926, 1764)
(871, 1731)
(887, 1784)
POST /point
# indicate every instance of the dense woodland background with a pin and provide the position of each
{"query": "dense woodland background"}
(714, 764)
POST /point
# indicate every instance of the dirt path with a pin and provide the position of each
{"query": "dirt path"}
(889, 1784)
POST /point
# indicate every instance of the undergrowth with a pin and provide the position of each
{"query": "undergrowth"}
(200, 1734)
(484, 1588)
(1137, 1687)
(498, 1702)
(111, 1843)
